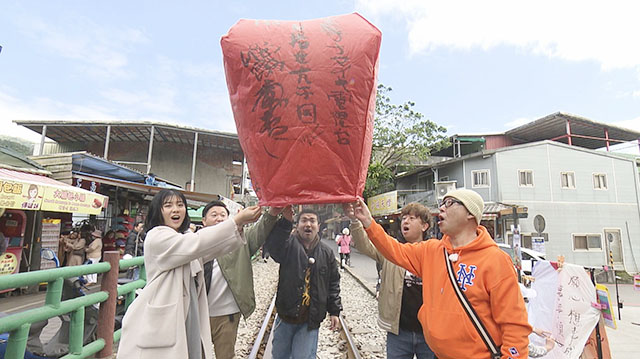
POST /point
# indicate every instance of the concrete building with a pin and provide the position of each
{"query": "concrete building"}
(571, 199)
(196, 159)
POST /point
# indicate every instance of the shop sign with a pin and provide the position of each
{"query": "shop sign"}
(382, 204)
(20, 195)
(72, 201)
(8, 263)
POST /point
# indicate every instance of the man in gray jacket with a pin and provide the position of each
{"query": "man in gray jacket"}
(229, 279)
(400, 290)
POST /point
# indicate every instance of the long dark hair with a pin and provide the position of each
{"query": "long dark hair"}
(154, 218)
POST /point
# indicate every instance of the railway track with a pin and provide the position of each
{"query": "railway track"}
(358, 337)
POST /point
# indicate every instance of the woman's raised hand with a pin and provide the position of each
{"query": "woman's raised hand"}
(248, 215)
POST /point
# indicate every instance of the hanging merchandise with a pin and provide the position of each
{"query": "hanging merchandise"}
(12, 226)
(50, 239)
(303, 96)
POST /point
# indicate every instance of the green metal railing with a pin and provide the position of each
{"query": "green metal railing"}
(129, 289)
(17, 325)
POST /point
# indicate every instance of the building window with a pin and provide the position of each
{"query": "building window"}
(525, 178)
(587, 242)
(600, 181)
(568, 180)
(480, 178)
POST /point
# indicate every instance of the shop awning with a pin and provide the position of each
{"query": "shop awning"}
(26, 191)
(194, 199)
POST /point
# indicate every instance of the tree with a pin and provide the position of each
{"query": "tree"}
(402, 137)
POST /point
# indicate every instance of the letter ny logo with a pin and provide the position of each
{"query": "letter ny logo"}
(466, 278)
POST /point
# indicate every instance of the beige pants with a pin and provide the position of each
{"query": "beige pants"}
(224, 330)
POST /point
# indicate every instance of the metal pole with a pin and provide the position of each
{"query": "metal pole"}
(153, 130)
(42, 138)
(569, 132)
(617, 295)
(193, 164)
(107, 312)
(615, 280)
(606, 136)
(516, 223)
(454, 147)
(244, 175)
(106, 142)
(598, 338)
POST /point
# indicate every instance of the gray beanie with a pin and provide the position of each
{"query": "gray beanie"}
(470, 199)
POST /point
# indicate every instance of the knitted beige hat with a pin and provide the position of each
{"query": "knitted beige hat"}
(470, 199)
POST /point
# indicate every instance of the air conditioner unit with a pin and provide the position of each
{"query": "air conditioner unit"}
(443, 187)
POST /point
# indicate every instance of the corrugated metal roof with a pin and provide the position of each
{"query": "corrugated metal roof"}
(29, 177)
(133, 131)
(494, 207)
(194, 199)
(585, 133)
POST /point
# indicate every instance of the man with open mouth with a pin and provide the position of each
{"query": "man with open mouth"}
(308, 285)
(400, 290)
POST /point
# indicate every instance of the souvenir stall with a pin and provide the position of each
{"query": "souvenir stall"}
(32, 208)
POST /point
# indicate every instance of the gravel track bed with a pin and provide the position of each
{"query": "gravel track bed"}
(360, 312)
(265, 281)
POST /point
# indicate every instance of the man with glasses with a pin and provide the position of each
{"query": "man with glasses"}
(484, 274)
(400, 290)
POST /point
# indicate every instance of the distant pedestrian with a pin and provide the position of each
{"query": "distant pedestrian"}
(75, 249)
(135, 241)
(344, 248)
(94, 253)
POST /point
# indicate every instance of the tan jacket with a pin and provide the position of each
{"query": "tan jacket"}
(74, 245)
(392, 281)
(94, 250)
(154, 325)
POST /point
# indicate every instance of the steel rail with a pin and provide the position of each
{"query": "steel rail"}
(260, 338)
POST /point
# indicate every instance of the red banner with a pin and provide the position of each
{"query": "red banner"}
(303, 98)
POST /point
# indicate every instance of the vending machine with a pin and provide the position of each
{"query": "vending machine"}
(12, 225)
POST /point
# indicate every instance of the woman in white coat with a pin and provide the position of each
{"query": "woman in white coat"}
(170, 317)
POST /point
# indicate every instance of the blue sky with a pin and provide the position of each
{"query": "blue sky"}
(472, 66)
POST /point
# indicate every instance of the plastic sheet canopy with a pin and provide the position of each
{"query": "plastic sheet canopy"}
(303, 97)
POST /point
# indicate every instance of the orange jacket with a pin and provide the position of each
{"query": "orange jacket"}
(489, 281)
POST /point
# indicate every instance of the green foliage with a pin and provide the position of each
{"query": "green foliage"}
(378, 177)
(401, 137)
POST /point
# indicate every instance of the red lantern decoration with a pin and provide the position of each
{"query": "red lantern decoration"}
(303, 97)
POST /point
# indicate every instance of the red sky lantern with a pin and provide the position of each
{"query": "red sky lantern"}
(303, 97)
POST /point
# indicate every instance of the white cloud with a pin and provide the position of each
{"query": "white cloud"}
(574, 30)
(161, 101)
(633, 124)
(100, 50)
(14, 109)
